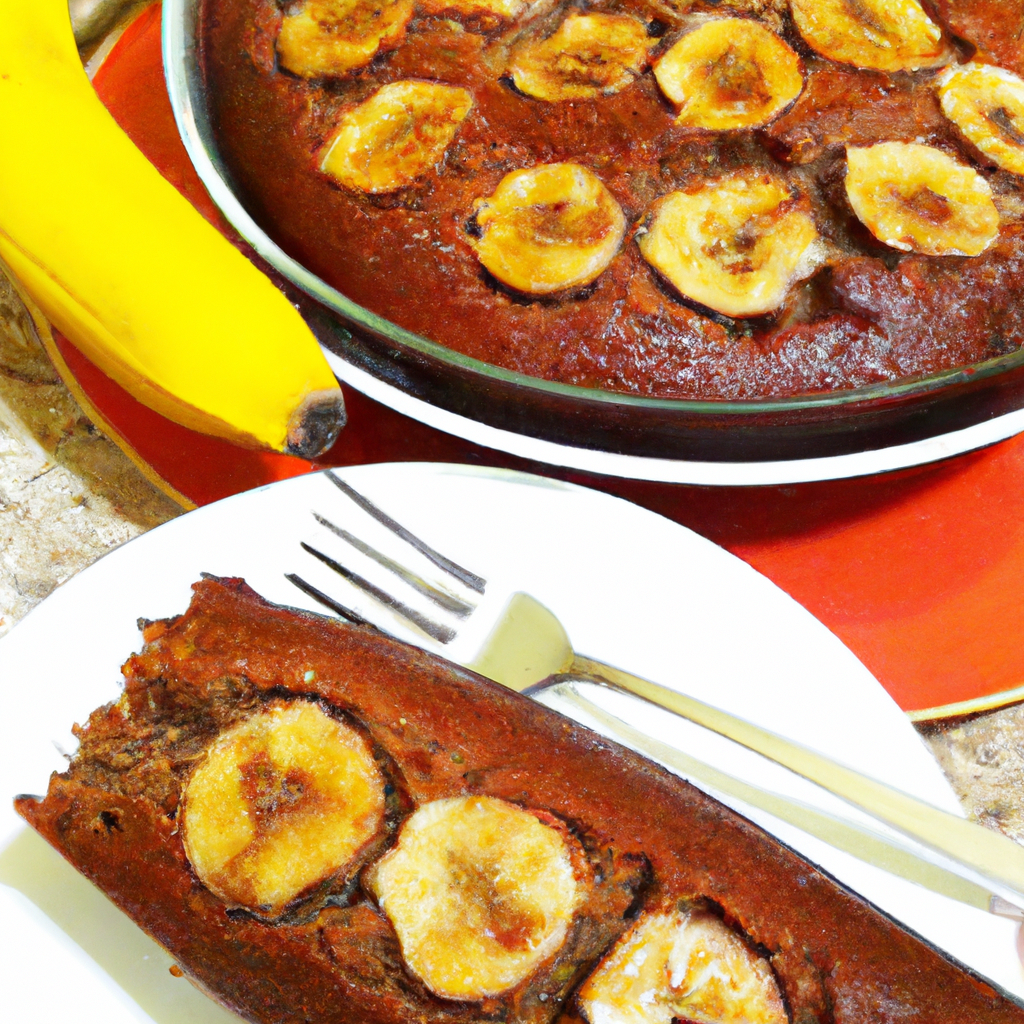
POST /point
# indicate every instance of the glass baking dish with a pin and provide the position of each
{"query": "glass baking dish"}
(816, 426)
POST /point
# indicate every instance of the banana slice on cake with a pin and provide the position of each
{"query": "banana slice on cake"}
(918, 198)
(480, 893)
(588, 55)
(987, 104)
(548, 228)
(395, 136)
(885, 35)
(685, 965)
(736, 244)
(284, 800)
(332, 37)
(506, 10)
(730, 73)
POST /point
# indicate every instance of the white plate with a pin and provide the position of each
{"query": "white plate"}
(631, 587)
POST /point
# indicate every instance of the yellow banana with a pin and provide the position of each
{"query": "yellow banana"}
(918, 198)
(395, 136)
(124, 266)
(682, 964)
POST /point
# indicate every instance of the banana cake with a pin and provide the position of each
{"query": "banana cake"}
(323, 824)
(673, 198)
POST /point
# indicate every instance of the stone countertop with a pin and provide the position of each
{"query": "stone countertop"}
(67, 493)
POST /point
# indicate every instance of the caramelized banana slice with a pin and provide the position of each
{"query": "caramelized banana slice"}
(730, 73)
(683, 964)
(282, 801)
(396, 135)
(917, 198)
(736, 244)
(480, 893)
(332, 37)
(548, 228)
(987, 104)
(588, 55)
(886, 35)
(504, 9)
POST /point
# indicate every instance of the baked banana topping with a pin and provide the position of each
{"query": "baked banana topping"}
(282, 801)
(332, 37)
(918, 198)
(987, 104)
(886, 35)
(395, 136)
(480, 893)
(548, 228)
(505, 10)
(736, 244)
(588, 55)
(682, 964)
(730, 73)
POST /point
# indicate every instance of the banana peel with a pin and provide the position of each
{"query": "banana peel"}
(135, 278)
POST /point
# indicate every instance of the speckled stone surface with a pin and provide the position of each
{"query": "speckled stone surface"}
(67, 493)
(983, 758)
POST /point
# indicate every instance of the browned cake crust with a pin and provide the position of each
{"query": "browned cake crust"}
(872, 314)
(440, 731)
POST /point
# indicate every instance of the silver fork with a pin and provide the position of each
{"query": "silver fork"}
(528, 650)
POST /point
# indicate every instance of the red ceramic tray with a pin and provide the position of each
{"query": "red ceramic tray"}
(918, 572)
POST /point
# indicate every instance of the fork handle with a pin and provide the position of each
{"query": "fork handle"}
(870, 843)
(993, 856)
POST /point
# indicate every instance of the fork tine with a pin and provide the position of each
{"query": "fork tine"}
(443, 634)
(440, 597)
(326, 601)
(464, 576)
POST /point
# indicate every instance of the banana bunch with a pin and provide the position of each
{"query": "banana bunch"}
(729, 73)
(736, 244)
(886, 35)
(588, 55)
(395, 136)
(480, 893)
(332, 37)
(282, 802)
(682, 964)
(121, 263)
(987, 104)
(548, 228)
(918, 198)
